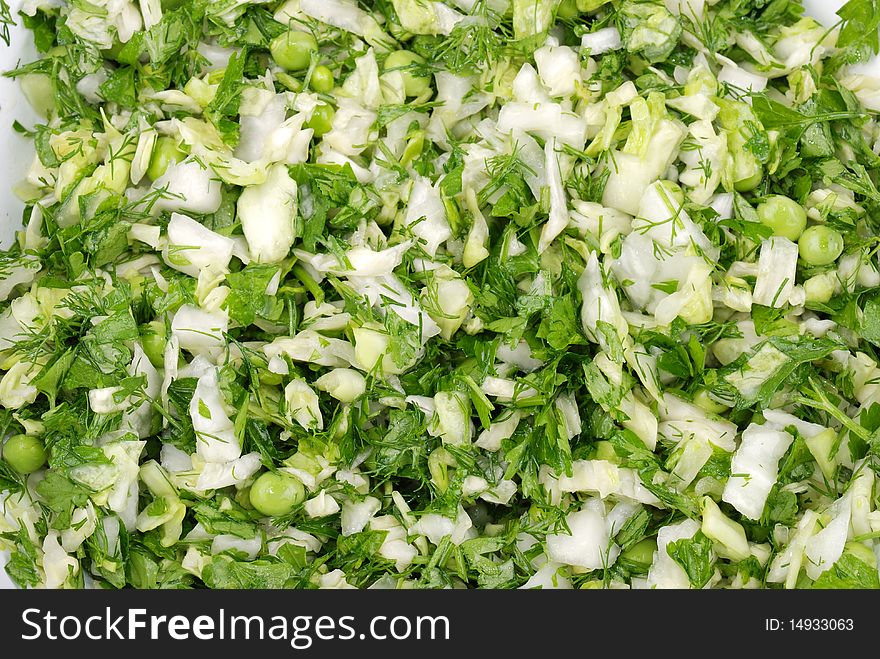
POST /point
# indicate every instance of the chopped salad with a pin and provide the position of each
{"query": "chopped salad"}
(423, 294)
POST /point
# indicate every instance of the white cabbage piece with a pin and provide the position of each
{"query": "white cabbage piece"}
(426, 17)
(446, 298)
(602, 41)
(550, 576)
(139, 417)
(706, 162)
(83, 523)
(193, 248)
(302, 405)
(802, 44)
(730, 535)
(559, 217)
(215, 433)
(123, 495)
(343, 14)
(458, 100)
(352, 125)
(600, 223)
(503, 426)
(559, 68)
(250, 547)
(527, 86)
(321, 505)
(786, 565)
(188, 186)
(17, 271)
(268, 216)
(309, 346)
(531, 17)
(630, 175)
(394, 547)
(755, 467)
(759, 368)
(451, 421)
(661, 216)
(435, 527)
(16, 389)
(363, 82)
(865, 87)
(21, 319)
(387, 292)
(777, 267)
(824, 548)
(695, 432)
(861, 490)
(665, 572)
(740, 79)
(58, 565)
(215, 475)
(546, 120)
(344, 384)
(600, 304)
(361, 261)
(589, 545)
(261, 113)
(357, 514)
(692, 299)
(100, 21)
(426, 215)
(200, 332)
(603, 478)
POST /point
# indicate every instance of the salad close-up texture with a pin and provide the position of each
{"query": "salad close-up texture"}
(459, 294)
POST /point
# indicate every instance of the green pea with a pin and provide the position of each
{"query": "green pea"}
(403, 60)
(153, 339)
(321, 120)
(820, 245)
(322, 79)
(165, 151)
(568, 9)
(751, 181)
(24, 453)
(293, 50)
(276, 493)
(785, 216)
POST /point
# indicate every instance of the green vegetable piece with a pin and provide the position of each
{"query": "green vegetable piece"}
(293, 50)
(404, 61)
(784, 216)
(321, 120)
(751, 181)
(24, 453)
(641, 553)
(165, 152)
(274, 493)
(820, 245)
(153, 339)
(567, 10)
(322, 79)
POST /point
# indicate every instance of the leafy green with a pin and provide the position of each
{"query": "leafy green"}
(695, 556)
